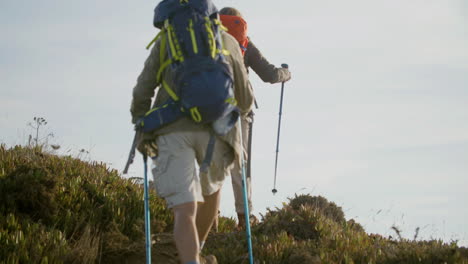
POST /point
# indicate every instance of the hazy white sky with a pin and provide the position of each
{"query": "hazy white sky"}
(375, 118)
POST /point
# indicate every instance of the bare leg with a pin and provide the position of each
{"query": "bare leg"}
(185, 232)
(206, 214)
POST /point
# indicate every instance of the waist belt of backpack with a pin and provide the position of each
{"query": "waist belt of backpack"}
(157, 118)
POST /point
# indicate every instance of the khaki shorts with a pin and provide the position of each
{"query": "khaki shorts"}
(176, 173)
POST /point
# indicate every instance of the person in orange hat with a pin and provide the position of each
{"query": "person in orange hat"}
(253, 59)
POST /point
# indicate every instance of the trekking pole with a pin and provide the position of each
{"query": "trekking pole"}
(249, 146)
(246, 201)
(147, 213)
(131, 156)
(274, 191)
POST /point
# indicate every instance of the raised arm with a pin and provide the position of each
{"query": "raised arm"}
(263, 68)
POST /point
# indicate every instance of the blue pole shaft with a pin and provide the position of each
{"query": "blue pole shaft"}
(147, 214)
(246, 201)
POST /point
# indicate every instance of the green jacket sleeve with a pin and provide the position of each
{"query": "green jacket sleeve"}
(254, 59)
(146, 85)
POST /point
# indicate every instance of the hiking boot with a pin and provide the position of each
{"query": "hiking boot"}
(241, 219)
(210, 259)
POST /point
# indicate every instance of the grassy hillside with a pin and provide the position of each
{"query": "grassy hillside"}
(63, 210)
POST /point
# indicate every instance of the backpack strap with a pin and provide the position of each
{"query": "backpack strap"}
(159, 35)
(211, 37)
(176, 51)
(220, 25)
(166, 35)
(193, 37)
(209, 153)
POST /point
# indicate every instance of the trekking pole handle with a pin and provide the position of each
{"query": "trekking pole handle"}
(284, 65)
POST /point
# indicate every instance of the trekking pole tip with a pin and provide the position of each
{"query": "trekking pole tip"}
(284, 65)
(274, 191)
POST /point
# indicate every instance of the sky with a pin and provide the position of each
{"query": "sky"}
(374, 118)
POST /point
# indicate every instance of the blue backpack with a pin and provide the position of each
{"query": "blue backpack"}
(192, 49)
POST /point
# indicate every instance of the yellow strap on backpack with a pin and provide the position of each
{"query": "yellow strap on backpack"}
(231, 101)
(193, 37)
(222, 27)
(161, 69)
(220, 24)
(171, 43)
(162, 49)
(211, 38)
(155, 109)
(169, 91)
(165, 36)
(160, 34)
(196, 116)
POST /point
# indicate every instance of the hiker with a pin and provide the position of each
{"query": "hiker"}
(253, 59)
(177, 147)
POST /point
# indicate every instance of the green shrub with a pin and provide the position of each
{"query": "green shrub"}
(226, 224)
(301, 224)
(319, 203)
(63, 210)
(67, 207)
